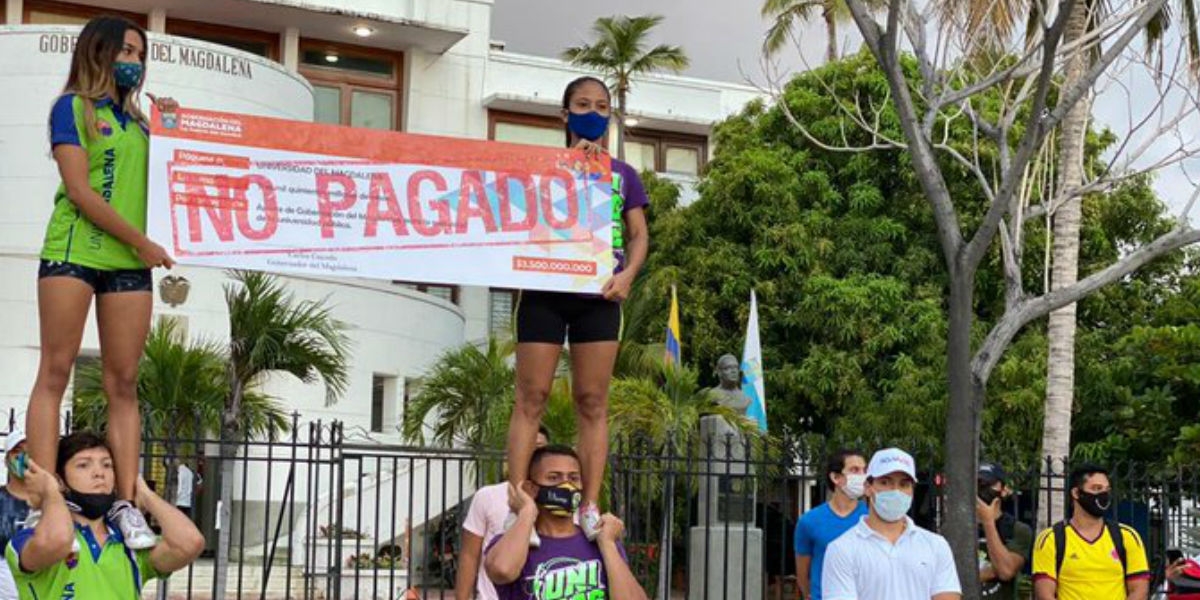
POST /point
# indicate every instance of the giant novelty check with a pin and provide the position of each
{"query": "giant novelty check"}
(237, 191)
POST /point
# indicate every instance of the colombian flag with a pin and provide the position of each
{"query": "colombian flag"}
(673, 355)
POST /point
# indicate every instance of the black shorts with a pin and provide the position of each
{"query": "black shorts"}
(103, 282)
(554, 317)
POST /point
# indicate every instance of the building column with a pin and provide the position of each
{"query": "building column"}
(291, 49)
(157, 20)
(14, 10)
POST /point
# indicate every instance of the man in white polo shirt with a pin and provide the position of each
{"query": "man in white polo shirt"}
(886, 556)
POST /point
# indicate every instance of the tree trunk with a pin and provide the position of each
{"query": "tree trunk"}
(962, 442)
(230, 430)
(1060, 376)
(621, 96)
(831, 33)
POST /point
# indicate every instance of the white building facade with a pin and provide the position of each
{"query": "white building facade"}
(419, 66)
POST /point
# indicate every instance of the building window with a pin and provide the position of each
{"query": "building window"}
(517, 128)
(260, 43)
(412, 387)
(662, 152)
(354, 86)
(383, 404)
(501, 304)
(645, 150)
(46, 12)
(449, 293)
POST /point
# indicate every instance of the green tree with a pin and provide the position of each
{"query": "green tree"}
(841, 249)
(464, 390)
(270, 332)
(182, 387)
(466, 398)
(620, 53)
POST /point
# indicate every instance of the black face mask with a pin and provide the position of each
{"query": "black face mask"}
(92, 506)
(561, 500)
(988, 495)
(1095, 504)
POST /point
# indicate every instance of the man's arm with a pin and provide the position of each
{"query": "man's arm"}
(181, 541)
(1006, 564)
(946, 585)
(803, 583)
(1045, 588)
(1137, 568)
(51, 541)
(1137, 588)
(468, 565)
(1045, 576)
(621, 583)
(507, 557)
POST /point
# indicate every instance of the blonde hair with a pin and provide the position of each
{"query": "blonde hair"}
(91, 76)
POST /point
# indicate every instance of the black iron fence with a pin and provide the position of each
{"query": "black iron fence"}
(320, 512)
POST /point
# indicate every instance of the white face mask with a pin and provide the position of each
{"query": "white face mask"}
(892, 505)
(855, 482)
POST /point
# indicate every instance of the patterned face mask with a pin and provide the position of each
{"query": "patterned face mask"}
(561, 500)
(127, 74)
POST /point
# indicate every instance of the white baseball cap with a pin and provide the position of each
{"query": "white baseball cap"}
(892, 460)
(14, 439)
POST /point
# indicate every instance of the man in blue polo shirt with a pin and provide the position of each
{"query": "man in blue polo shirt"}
(845, 474)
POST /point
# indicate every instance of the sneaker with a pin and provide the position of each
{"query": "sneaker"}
(534, 540)
(133, 527)
(589, 520)
(34, 516)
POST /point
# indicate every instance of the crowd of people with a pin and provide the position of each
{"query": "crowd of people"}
(862, 545)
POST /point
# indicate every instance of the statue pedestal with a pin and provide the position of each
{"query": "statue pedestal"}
(727, 491)
(727, 563)
(725, 548)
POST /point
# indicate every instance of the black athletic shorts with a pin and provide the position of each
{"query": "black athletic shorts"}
(554, 317)
(103, 282)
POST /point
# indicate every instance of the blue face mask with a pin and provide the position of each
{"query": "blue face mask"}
(892, 505)
(590, 126)
(127, 74)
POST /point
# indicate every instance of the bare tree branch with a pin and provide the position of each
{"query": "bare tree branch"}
(1035, 131)
(1028, 310)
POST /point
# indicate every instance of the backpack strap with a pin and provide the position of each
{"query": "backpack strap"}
(1118, 540)
(1060, 547)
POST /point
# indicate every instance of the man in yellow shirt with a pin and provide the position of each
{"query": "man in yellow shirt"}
(1080, 559)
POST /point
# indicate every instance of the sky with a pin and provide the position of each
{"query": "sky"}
(723, 38)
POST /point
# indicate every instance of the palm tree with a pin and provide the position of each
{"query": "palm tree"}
(182, 388)
(785, 14)
(464, 388)
(665, 411)
(620, 54)
(467, 398)
(270, 331)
